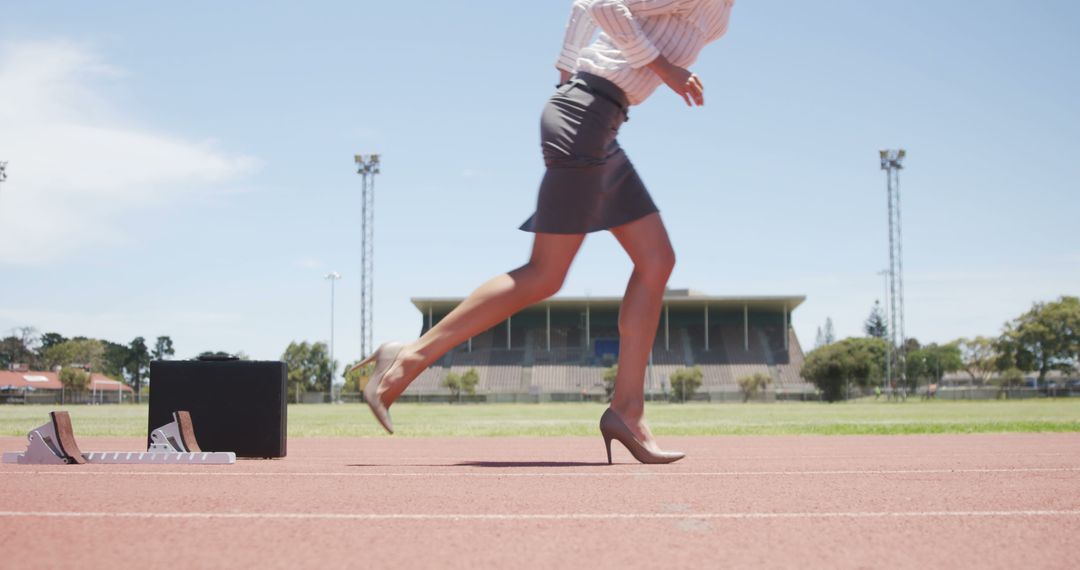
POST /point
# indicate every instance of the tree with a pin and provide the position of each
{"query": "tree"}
(114, 359)
(979, 356)
(875, 324)
(830, 334)
(87, 352)
(222, 355)
(356, 380)
(610, 373)
(684, 382)
(73, 379)
(1009, 378)
(163, 348)
(853, 360)
(819, 339)
(309, 367)
(932, 362)
(19, 348)
(137, 364)
(50, 339)
(1045, 338)
(752, 384)
(458, 383)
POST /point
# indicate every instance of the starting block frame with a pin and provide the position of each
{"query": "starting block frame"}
(53, 443)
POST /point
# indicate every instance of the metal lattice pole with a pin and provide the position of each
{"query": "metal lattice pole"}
(902, 357)
(332, 277)
(367, 167)
(884, 273)
(3, 172)
(892, 163)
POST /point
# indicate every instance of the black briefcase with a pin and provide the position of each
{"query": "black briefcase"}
(235, 405)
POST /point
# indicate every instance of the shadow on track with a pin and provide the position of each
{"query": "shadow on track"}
(491, 464)
(501, 464)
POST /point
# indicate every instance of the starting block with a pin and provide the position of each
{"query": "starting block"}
(53, 443)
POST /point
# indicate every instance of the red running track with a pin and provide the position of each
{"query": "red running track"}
(942, 501)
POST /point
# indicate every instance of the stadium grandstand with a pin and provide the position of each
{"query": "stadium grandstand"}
(558, 349)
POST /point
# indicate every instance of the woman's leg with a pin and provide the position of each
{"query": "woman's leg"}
(498, 298)
(646, 241)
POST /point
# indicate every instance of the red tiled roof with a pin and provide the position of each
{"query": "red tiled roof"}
(51, 381)
(30, 379)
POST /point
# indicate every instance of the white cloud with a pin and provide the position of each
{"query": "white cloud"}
(77, 165)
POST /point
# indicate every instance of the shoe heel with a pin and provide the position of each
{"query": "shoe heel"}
(607, 444)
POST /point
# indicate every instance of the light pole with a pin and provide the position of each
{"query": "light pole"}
(3, 171)
(892, 163)
(887, 381)
(367, 166)
(332, 277)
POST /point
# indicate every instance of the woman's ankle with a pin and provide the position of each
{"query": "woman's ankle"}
(631, 411)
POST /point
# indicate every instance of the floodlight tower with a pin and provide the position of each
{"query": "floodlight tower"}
(3, 171)
(892, 163)
(367, 166)
(332, 277)
(884, 273)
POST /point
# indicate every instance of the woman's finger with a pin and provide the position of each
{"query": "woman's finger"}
(694, 90)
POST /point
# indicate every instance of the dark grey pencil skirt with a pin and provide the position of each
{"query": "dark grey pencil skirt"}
(590, 184)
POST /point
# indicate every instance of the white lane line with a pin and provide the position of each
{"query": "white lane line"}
(197, 471)
(536, 516)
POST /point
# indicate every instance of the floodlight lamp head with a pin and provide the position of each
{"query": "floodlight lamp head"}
(374, 158)
(333, 275)
(359, 158)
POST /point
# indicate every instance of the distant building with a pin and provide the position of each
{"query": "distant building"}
(558, 349)
(38, 387)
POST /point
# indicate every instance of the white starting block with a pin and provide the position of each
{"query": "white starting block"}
(54, 444)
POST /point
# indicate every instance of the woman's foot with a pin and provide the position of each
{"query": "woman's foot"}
(612, 427)
(406, 367)
(634, 418)
(384, 358)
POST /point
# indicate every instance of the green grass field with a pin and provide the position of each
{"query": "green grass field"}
(864, 417)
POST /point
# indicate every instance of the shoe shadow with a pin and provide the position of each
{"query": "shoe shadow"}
(507, 464)
(490, 464)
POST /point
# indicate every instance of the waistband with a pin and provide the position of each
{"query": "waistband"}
(601, 87)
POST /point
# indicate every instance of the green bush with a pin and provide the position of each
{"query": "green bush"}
(74, 379)
(458, 383)
(684, 382)
(752, 384)
(860, 361)
(609, 381)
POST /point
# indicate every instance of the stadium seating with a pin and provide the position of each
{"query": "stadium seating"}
(570, 369)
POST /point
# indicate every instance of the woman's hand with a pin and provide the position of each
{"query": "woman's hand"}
(680, 80)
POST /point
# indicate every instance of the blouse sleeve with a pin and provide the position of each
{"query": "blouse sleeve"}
(579, 31)
(618, 19)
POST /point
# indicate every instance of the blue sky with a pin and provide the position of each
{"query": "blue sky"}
(187, 169)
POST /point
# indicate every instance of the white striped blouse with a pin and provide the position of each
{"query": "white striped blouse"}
(635, 32)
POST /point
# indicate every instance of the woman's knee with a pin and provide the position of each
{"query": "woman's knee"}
(544, 280)
(658, 265)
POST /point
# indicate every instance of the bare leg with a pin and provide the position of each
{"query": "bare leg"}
(498, 298)
(647, 243)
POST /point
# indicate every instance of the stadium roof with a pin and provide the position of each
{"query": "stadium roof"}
(673, 297)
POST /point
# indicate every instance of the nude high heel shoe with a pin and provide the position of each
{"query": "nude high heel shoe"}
(384, 357)
(612, 427)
